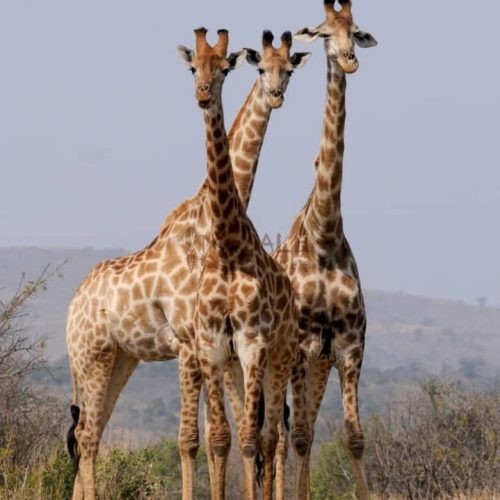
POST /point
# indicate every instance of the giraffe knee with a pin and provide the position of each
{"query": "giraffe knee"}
(301, 441)
(220, 441)
(354, 440)
(189, 445)
(248, 442)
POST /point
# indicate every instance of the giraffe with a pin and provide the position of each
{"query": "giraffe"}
(317, 257)
(245, 307)
(246, 136)
(139, 307)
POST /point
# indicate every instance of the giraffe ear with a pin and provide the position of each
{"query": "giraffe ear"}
(235, 59)
(186, 55)
(307, 35)
(253, 57)
(364, 39)
(299, 59)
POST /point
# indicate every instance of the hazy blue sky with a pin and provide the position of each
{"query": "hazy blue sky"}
(100, 135)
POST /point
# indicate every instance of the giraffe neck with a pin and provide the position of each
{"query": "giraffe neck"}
(323, 219)
(223, 196)
(246, 137)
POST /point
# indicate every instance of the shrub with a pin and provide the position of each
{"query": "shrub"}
(151, 472)
(30, 419)
(442, 441)
(331, 476)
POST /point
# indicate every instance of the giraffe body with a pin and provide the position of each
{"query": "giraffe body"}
(140, 307)
(317, 258)
(245, 307)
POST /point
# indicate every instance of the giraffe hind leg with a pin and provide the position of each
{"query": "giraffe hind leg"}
(123, 367)
(88, 431)
(349, 372)
(281, 455)
(316, 384)
(219, 433)
(277, 374)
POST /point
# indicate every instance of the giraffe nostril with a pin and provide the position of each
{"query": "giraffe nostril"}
(348, 56)
(203, 87)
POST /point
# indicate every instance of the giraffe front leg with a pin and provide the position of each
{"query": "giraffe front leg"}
(301, 433)
(252, 352)
(190, 387)
(208, 448)
(274, 394)
(219, 432)
(209, 348)
(349, 372)
(281, 454)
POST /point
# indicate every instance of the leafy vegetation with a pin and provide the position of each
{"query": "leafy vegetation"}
(151, 472)
(29, 419)
(442, 441)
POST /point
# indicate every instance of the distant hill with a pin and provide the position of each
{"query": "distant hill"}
(408, 338)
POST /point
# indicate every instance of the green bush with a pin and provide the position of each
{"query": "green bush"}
(152, 472)
(57, 476)
(331, 477)
(440, 442)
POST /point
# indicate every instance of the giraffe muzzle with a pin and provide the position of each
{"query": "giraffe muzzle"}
(203, 94)
(204, 103)
(276, 98)
(348, 62)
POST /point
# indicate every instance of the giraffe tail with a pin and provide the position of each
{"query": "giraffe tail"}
(286, 414)
(71, 440)
(259, 458)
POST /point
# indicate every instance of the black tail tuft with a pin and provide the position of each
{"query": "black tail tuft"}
(259, 458)
(71, 439)
(286, 414)
(259, 465)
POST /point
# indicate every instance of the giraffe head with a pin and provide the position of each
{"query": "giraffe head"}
(275, 66)
(210, 65)
(340, 33)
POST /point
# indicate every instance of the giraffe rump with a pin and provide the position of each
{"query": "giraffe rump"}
(71, 440)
